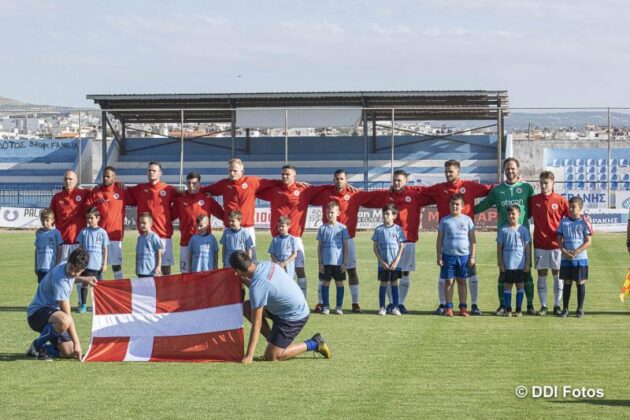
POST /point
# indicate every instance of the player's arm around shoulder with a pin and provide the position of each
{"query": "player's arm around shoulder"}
(487, 202)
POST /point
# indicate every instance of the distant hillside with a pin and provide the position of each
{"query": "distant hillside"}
(8, 104)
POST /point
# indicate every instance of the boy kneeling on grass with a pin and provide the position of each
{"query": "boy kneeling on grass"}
(49, 312)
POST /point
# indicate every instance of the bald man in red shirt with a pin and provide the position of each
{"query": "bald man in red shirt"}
(292, 200)
(441, 193)
(239, 193)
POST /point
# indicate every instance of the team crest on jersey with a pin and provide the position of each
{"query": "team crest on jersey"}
(554, 206)
(346, 197)
(296, 193)
(462, 190)
(408, 199)
(163, 193)
(519, 190)
(116, 196)
(244, 185)
(201, 202)
(78, 198)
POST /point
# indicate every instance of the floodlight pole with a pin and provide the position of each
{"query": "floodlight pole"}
(286, 136)
(181, 150)
(393, 142)
(365, 151)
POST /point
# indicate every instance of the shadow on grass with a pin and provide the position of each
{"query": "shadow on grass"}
(12, 357)
(610, 403)
(12, 308)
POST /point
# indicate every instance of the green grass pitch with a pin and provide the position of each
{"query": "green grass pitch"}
(415, 366)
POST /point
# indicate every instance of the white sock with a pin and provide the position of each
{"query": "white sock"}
(542, 290)
(79, 286)
(118, 274)
(302, 283)
(403, 288)
(441, 293)
(319, 292)
(558, 287)
(354, 291)
(473, 286)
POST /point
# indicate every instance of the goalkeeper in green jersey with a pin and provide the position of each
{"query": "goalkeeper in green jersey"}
(511, 192)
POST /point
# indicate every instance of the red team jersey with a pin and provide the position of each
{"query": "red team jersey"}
(349, 204)
(289, 201)
(240, 195)
(441, 194)
(547, 211)
(187, 207)
(155, 199)
(110, 202)
(409, 203)
(69, 209)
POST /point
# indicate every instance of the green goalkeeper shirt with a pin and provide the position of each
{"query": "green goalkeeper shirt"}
(504, 195)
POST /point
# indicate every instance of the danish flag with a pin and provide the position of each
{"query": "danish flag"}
(194, 317)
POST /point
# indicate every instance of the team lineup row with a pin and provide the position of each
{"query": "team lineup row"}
(394, 242)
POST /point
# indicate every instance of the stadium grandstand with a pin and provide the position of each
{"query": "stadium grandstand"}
(369, 152)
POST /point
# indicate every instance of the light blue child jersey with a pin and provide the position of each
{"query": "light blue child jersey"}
(574, 233)
(56, 286)
(93, 240)
(235, 240)
(388, 239)
(202, 248)
(146, 247)
(514, 241)
(456, 230)
(332, 238)
(282, 247)
(46, 243)
(272, 288)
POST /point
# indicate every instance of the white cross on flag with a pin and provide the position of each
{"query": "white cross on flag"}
(186, 317)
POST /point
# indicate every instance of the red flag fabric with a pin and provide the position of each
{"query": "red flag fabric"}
(195, 317)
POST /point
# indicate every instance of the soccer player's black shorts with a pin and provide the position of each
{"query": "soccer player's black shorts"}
(283, 332)
(389, 275)
(332, 272)
(513, 276)
(38, 320)
(96, 273)
(40, 275)
(575, 270)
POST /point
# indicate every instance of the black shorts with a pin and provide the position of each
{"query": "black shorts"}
(332, 272)
(389, 275)
(283, 332)
(513, 276)
(41, 275)
(39, 320)
(574, 270)
(96, 273)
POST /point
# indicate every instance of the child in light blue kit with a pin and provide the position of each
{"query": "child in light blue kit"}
(574, 237)
(95, 241)
(235, 238)
(513, 255)
(48, 244)
(389, 242)
(149, 249)
(332, 247)
(283, 249)
(203, 249)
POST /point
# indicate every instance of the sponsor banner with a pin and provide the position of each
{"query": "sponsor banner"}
(19, 218)
(622, 199)
(592, 199)
(608, 220)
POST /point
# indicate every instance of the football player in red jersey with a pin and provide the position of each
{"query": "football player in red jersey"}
(110, 199)
(239, 194)
(187, 208)
(441, 193)
(68, 205)
(547, 209)
(156, 198)
(292, 200)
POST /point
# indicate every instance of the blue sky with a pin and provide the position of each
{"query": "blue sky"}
(545, 53)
